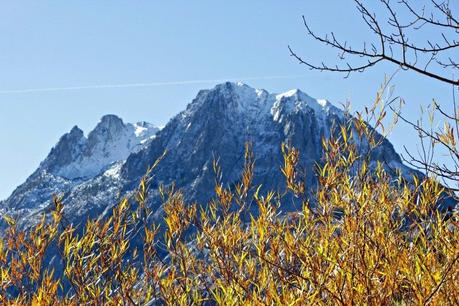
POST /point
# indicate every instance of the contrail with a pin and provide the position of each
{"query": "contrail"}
(152, 84)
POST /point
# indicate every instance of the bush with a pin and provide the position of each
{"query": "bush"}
(365, 238)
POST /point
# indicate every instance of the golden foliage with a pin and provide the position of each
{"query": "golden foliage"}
(365, 239)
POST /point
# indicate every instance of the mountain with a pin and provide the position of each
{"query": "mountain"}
(93, 173)
(77, 159)
(217, 124)
(76, 156)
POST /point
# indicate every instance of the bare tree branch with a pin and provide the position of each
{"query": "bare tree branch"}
(396, 46)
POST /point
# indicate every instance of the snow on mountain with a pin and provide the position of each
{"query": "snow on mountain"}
(219, 121)
(77, 159)
(76, 156)
(93, 172)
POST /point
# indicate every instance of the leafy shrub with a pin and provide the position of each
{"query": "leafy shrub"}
(365, 238)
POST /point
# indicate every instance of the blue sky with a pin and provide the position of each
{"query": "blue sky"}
(48, 44)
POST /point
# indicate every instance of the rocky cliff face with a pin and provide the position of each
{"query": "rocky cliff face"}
(76, 160)
(217, 124)
(76, 156)
(94, 172)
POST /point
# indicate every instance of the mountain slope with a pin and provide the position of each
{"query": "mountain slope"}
(76, 159)
(76, 156)
(216, 124)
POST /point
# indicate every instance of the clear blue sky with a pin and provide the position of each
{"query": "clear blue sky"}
(83, 43)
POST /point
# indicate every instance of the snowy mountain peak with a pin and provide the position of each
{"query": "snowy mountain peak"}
(240, 90)
(293, 93)
(300, 99)
(76, 132)
(111, 119)
(92, 172)
(108, 126)
(76, 156)
(145, 131)
(257, 102)
(109, 130)
(241, 101)
(65, 151)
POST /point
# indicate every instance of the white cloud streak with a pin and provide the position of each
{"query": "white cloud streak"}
(152, 84)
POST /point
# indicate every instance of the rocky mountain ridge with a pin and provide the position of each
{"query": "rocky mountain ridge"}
(216, 124)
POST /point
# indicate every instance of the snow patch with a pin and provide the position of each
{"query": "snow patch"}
(109, 142)
(114, 171)
(287, 94)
